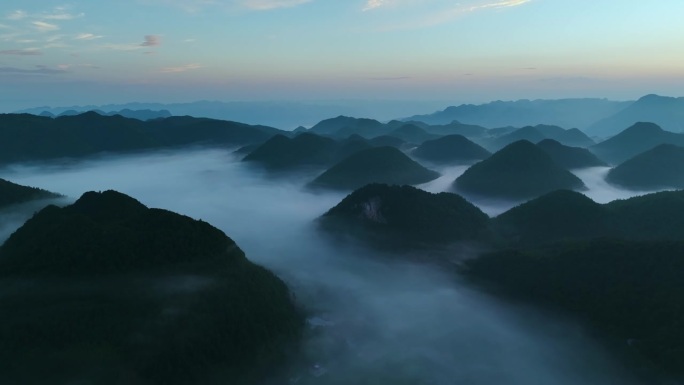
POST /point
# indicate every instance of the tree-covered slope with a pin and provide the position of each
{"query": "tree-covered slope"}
(451, 149)
(404, 216)
(569, 157)
(109, 291)
(12, 193)
(559, 215)
(521, 170)
(635, 140)
(661, 167)
(374, 165)
(567, 215)
(25, 137)
(631, 291)
(281, 153)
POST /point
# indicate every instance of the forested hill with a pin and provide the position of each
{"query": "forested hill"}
(108, 291)
(25, 137)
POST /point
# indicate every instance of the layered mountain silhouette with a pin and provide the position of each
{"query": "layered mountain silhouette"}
(412, 134)
(568, 215)
(25, 137)
(404, 216)
(563, 112)
(634, 140)
(569, 157)
(126, 113)
(521, 170)
(572, 137)
(451, 149)
(307, 150)
(661, 167)
(374, 165)
(12, 193)
(664, 111)
(122, 293)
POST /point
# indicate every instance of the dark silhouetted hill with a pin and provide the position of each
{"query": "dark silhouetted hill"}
(12, 193)
(386, 140)
(404, 216)
(374, 165)
(558, 215)
(455, 128)
(141, 114)
(281, 153)
(412, 134)
(569, 157)
(25, 137)
(572, 137)
(661, 167)
(451, 149)
(664, 111)
(109, 291)
(343, 126)
(634, 140)
(521, 170)
(630, 291)
(567, 215)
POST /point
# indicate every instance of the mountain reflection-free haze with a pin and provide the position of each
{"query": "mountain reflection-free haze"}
(373, 318)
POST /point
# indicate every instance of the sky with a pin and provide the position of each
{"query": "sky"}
(76, 52)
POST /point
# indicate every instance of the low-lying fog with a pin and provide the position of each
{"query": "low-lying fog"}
(374, 320)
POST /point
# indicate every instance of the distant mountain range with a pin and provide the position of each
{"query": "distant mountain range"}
(562, 112)
(599, 118)
(126, 113)
(666, 112)
(283, 115)
(25, 137)
(634, 140)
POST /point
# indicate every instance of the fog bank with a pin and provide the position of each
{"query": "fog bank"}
(374, 318)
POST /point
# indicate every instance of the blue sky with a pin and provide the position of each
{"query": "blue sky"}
(86, 51)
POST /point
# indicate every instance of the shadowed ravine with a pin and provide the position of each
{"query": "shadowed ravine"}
(373, 319)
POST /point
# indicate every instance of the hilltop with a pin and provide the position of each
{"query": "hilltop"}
(374, 165)
(120, 291)
(520, 170)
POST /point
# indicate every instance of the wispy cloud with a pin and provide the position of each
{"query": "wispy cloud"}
(87, 36)
(390, 78)
(151, 41)
(373, 4)
(62, 16)
(187, 67)
(39, 70)
(17, 15)
(265, 5)
(254, 5)
(44, 27)
(21, 52)
(444, 15)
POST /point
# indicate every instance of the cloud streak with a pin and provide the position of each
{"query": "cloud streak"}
(445, 15)
(17, 15)
(87, 36)
(185, 68)
(373, 4)
(265, 5)
(40, 70)
(44, 27)
(21, 52)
